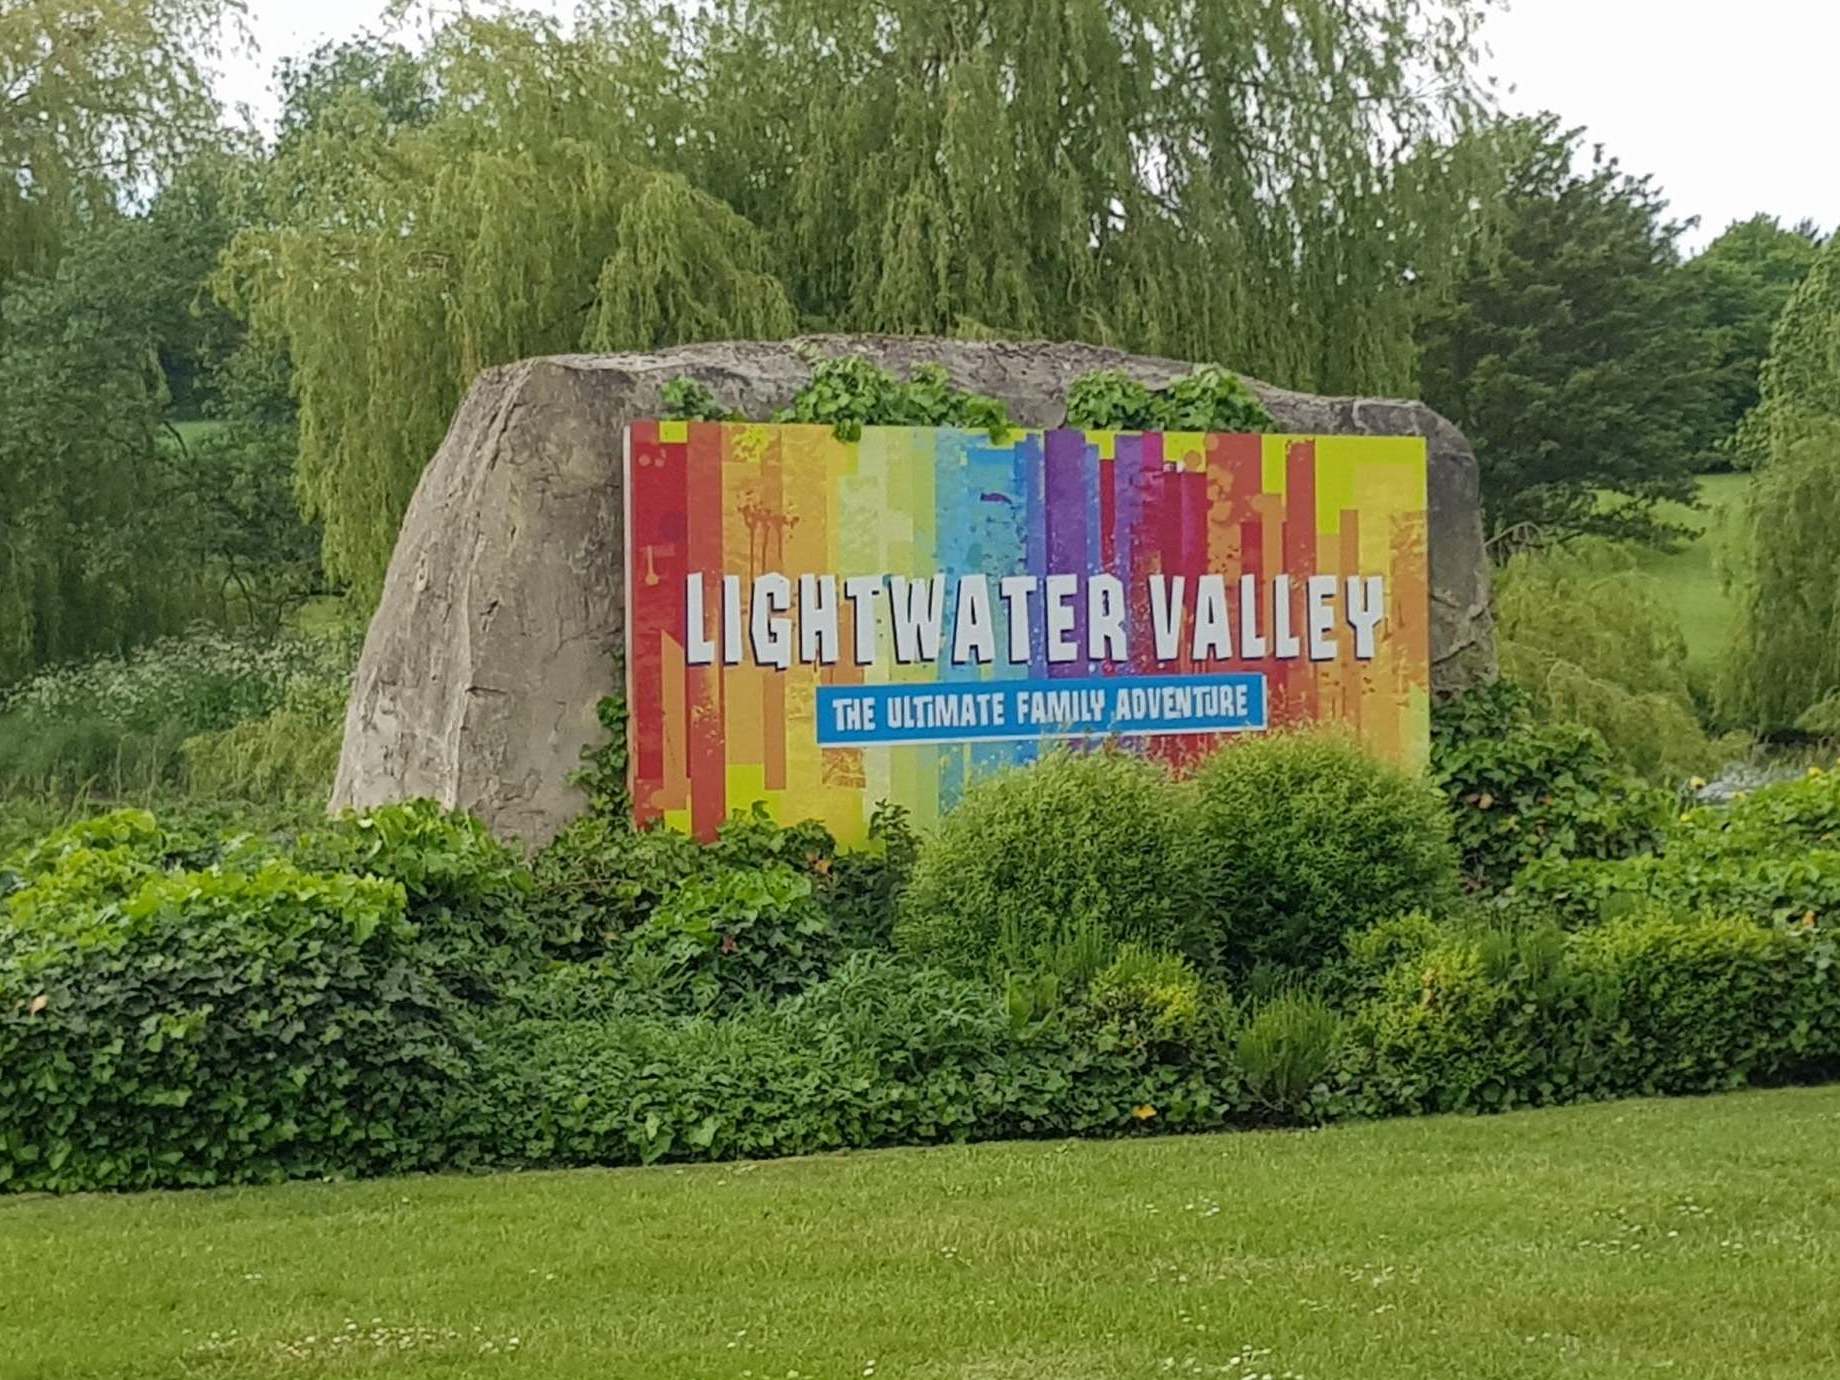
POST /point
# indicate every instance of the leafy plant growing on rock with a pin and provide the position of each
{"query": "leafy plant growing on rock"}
(1209, 399)
(849, 392)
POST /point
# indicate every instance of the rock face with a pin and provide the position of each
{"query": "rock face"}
(501, 618)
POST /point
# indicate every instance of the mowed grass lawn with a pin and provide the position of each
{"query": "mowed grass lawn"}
(1693, 1238)
(1692, 577)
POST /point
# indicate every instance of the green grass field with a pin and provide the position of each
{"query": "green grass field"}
(1694, 1238)
(1692, 575)
(195, 430)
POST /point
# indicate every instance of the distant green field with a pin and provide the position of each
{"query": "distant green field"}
(1692, 577)
(193, 431)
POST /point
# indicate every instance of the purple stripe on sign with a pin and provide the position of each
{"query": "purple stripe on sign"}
(1035, 484)
(1069, 489)
(1129, 482)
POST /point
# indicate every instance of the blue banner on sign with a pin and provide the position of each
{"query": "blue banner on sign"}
(1007, 710)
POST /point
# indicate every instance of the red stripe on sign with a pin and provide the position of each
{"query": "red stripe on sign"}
(703, 689)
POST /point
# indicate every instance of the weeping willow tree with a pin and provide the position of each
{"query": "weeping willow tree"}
(1594, 639)
(1785, 670)
(1276, 187)
(95, 98)
(99, 102)
(1267, 185)
(523, 217)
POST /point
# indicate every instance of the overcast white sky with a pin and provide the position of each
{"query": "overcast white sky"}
(1733, 107)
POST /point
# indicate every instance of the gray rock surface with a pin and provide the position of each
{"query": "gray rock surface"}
(501, 618)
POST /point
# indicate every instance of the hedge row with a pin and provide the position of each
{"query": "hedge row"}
(398, 991)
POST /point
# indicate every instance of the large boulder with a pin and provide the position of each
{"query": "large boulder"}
(500, 625)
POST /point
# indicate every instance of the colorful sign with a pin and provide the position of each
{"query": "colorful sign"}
(822, 625)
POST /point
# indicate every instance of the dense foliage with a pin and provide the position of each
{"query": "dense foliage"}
(660, 175)
(210, 342)
(1596, 641)
(184, 1026)
(1787, 659)
(1031, 861)
(397, 990)
(96, 99)
(1301, 838)
(1209, 399)
(1574, 353)
(1523, 786)
(1650, 1004)
(230, 715)
(1743, 280)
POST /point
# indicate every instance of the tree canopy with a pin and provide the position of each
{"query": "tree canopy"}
(95, 98)
(1274, 186)
(1743, 280)
(1787, 660)
(1573, 351)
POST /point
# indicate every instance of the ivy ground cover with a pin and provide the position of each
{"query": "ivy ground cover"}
(1688, 1237)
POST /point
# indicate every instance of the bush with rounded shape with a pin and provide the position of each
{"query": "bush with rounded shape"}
(1302, 837)
(1146, 997)
(1034, 858)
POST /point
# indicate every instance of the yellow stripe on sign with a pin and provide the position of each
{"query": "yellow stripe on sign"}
(1187, 450)
(1340, 461)
(747, 782)
(678, 431)
(1273, 452)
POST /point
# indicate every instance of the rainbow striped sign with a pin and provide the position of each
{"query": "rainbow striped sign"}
(822, 625)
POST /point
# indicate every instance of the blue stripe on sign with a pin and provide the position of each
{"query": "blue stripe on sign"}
(1013, 710)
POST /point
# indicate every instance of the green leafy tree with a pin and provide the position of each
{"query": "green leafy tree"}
(1744, 279)
(88, 556)
(522, 218)
(1597, 642)
(116, 527)
(1574, 353)
(1785, 670)
(1274, 187)
(95, 98)
(1800, 381)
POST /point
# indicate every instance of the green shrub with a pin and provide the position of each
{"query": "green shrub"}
(24, 821)
(738, 932)
(216, 1027)
(849, 392)
(118, 725)
(1480, 1022)
(1147, 998)
(1285, 1049)
(1596, 642)
(600, 879)
(882, 1053)
(1369, 954)
(1779, 818)
(1770, 855)
(687, 400)
(1708, 1005)
(1303, 837)
(1648, 1004)
(1209, 399)
(1791, 887)
(1032, 858)
(289, 754)
(136, 845)
(862, 888)
(1520, 788)
(467, 892)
